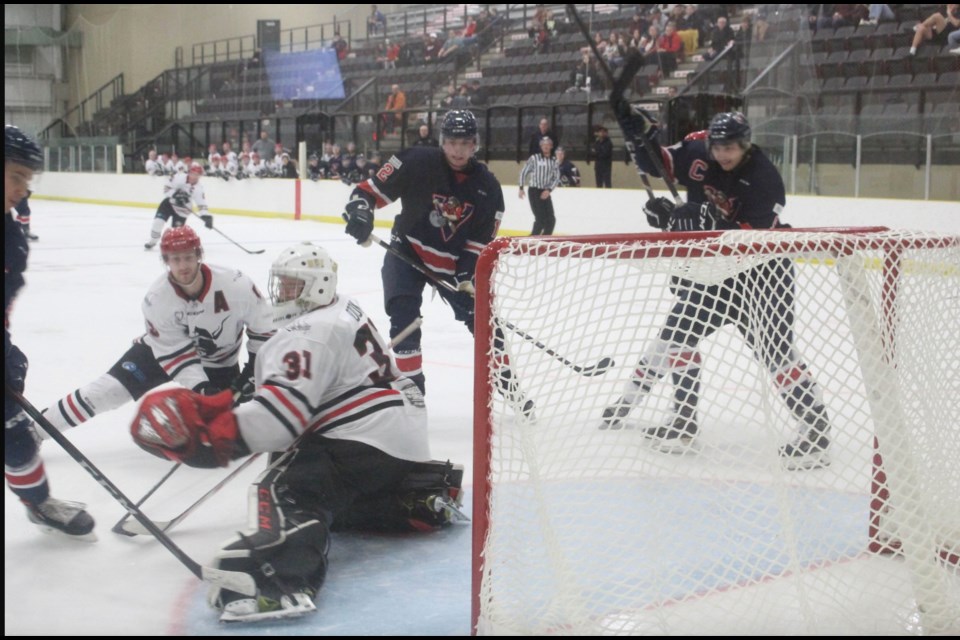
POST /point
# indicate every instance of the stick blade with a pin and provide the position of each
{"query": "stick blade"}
(604, 365)
(134, 528)
(230, 580)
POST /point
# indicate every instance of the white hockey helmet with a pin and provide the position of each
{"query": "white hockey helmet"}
(312, 266)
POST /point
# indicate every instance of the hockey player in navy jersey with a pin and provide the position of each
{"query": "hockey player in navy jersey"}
(451, 207)
(22, 464)
(730, 185)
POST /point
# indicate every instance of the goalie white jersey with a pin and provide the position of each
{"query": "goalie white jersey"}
(331, 373)
(187, 335)
(183, 195)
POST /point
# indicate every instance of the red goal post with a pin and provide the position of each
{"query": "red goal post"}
(587, 530)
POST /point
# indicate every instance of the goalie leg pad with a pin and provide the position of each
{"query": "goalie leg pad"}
(286, 550)
(428, 498)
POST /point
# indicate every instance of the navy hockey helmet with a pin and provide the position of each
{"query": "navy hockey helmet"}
(459, 123)
(19, 148)
(729, 127)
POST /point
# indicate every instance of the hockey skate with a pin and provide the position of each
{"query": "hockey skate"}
(59, 517)
(246, 609)
(30, 236)
(678, 435)
(521, 405)
(151, 243)
(809, 449)
(614, 414)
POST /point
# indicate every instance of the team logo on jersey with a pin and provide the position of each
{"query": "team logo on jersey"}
(206, 341)
(449, 213)
(726, 205)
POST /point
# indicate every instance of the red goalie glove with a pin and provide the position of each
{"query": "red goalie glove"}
(199, 431)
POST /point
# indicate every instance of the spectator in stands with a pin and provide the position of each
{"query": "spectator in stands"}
(638, 22)
(424, 139)
(478, 97)
(569, 174)
(937, 28)
(396, 103)
(953, 39)
(543, 131)
(615, 51)
(391, 53)
(688, 28)
(584, 75)
(670, 49)
(340, 46)
(743, 37)
(453, 44)
(452, 92)
(721, 38)
(373, 164)
(843, 15)
(288, 167)
(657, 19)
(314, 170)
(376, 22)
(761, 25)
(462, 99)
(264, 147)
(539, 23)
(602, 152)
(600, 43)
(432, 48)
(877, 13)
(650, 44)
(349, 154)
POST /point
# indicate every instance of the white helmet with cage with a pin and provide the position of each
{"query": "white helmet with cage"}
(302, 278)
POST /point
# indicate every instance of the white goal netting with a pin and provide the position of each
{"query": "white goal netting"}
(590, 526)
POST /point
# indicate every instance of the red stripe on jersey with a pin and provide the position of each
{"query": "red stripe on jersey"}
(174, 363)
(359, 402)
(31, 477)
(286, 403)
(684, 359)
(445, 263)
(474, 247)
(380, 200)
(791, 377)
(78, 416)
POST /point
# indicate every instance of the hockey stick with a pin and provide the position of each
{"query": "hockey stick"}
(257, 252)
(119, 527)
(619, 86)
(601, 367)
(232, 580)
(136, 529)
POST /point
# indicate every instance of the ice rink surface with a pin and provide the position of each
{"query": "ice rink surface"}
(77, 315)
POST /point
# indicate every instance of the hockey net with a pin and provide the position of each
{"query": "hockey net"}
(584, 530)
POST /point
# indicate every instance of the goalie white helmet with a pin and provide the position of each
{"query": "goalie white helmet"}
(302, 278)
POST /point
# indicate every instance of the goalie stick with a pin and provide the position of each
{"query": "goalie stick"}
(136, 529)
(232, 580)
(619, 86)
(601, 367)
(119, 527)
(251, 251)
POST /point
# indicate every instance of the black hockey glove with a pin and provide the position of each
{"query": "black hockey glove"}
(207, 220)
(694, 217)
(206, 388)
(359, 220)
(180, 198)
(658, 212)
(16, 368)
(243, 385)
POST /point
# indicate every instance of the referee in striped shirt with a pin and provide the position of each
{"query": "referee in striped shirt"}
(543, 174)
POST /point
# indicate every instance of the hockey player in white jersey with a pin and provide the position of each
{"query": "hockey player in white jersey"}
(180, 193)
(195, 315)
(349, 434)
(152, 166)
